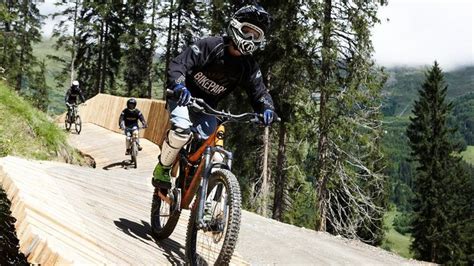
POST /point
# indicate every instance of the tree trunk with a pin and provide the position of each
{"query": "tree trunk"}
(280, 177)
(264, 189)
(152, 51)
(99, 59)
(324, 118)
(23, 44)
(168, 47)
(73, 50)
(104, 56)
(178, 26)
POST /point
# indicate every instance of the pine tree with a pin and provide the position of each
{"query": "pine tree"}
(29, 25)
(99, 52)
(8, 38)
(40, 88)
(64, 40)
(443, 191)
(284, 61)
(20, 25)
(137, 49)
(348, 163)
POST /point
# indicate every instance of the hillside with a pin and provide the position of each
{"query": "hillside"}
(43, 50)
(403, 83)
(400, 92)
(29, 133)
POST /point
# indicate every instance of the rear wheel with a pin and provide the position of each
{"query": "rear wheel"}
(215, 243)
(164, 216)
(67, 122)
(78, 124)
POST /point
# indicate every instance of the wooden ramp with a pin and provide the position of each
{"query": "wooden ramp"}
(74, 215)
(70, 214)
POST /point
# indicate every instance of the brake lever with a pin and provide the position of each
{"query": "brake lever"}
(196, 107)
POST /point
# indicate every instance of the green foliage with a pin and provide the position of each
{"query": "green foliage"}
(468, 155)
(463, 116)
(442, 187)
(27, 132)
(399, 168)
(20, 25)
(402, 223)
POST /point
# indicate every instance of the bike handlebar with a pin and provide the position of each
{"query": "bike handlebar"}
(201, 106)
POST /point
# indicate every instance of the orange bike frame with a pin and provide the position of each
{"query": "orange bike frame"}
(196, 180)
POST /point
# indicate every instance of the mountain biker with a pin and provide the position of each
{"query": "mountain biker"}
(210, 69)
(129, 119)
(71, 95)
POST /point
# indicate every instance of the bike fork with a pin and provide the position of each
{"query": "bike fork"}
(203, 190)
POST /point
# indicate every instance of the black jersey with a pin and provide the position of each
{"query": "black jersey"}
(72, 94)
(131, 117)
(209, 72)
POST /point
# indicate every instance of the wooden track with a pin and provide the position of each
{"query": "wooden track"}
(69, 214)
(104, 110)
(74, 215)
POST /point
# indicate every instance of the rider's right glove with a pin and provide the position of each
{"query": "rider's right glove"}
(122, 126)
(183, 93)
(267, 117)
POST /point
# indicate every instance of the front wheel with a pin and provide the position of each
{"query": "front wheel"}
(215, 243)
(134, 153)
(78, 124)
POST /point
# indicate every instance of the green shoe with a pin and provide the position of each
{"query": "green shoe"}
(161, 176)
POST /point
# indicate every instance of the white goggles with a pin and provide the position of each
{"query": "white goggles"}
(248, 31)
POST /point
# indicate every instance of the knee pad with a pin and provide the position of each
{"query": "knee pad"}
(174, 141)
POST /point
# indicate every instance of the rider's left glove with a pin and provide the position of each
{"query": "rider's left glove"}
(267, 117)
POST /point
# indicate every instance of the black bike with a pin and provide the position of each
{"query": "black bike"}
(72, 117)
(132, 139)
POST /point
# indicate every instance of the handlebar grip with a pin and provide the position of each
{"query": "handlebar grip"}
(170, 93)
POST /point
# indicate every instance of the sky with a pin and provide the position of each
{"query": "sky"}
(412, 32)
(421, 31)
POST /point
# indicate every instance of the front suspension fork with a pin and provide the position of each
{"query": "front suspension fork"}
(203, 189)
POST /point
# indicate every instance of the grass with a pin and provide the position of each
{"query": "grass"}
(394, 241)
(27, 132)
(468, 155)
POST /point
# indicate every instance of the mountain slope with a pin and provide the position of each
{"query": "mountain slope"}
(403, 84)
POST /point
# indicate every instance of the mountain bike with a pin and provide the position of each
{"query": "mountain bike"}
(132, 139)
(72, 117)
(202, 181)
